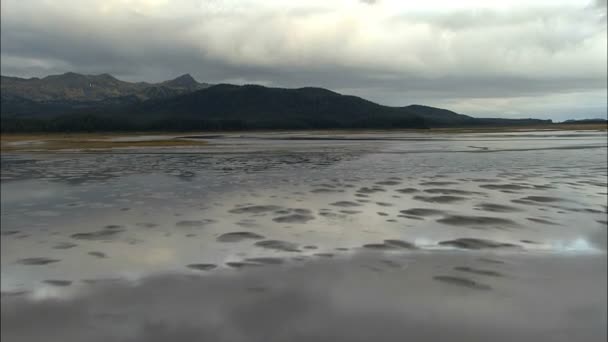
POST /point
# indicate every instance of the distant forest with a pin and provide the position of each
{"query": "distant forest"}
(95, 123)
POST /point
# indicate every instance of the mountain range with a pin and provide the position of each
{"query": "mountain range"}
(78, 102)
(86, 88)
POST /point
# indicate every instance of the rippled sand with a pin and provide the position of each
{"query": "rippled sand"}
(393, 236)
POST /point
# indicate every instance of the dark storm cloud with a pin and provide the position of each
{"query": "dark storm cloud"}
(388, 52)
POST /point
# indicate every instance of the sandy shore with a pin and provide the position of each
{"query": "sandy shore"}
(48, 142)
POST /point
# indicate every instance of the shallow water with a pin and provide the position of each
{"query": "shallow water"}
(253, 201)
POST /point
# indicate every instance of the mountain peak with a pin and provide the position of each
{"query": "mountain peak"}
(65, 76)
(106, 76)
(185, 80)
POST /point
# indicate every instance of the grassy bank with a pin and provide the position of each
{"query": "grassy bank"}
(14, 142)
(88, 141)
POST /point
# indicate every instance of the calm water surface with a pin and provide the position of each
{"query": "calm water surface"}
(469, 212)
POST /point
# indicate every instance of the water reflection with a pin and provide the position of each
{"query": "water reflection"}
(422, 297)
(130, 215)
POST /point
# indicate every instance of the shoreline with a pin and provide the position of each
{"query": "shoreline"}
(103, 141)
(515, 128)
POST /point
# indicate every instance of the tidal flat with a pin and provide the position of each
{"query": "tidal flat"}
(302, 236)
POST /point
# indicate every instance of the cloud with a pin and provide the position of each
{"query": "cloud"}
(435, 50)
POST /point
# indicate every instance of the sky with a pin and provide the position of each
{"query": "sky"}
(508, 58)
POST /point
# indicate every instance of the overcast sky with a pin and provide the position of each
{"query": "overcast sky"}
(508, 58)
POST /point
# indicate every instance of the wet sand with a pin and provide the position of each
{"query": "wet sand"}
(267, 237)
